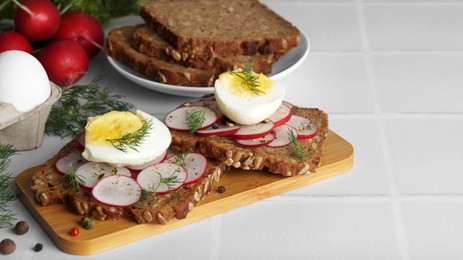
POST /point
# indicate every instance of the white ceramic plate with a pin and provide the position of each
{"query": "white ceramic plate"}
(285, 65)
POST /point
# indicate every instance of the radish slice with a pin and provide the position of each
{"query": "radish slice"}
(253, 131)
(218, 130)
(117, 190)
(176, 119)
(305, 128)
(194, 163)
(157, 159)
(212, 104)
(261, 141)
(282, 115)
(92, 172)
(286, 103)
(281, 136)
(71, 161)
(81, 141)
(162, 177)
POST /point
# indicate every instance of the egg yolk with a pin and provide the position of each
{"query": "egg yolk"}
(244, 83)
(112, 125)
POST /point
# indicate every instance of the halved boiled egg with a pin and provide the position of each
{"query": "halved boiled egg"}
(246, 97)
(123, 138)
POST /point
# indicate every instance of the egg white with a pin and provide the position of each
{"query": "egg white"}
(154, 144)
(249, 110)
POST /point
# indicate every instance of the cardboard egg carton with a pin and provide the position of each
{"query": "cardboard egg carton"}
(24, 130)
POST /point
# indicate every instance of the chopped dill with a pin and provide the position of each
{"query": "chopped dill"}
(295, 147)
(131, 140)
(250, 80)
(180, 158)
(195, 119)
(75, 179)
(6, 196)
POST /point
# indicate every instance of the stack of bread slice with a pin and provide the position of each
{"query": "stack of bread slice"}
(189, 43)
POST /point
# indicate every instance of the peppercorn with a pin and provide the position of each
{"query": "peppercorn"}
(38, 247)
(21, 227)
(7, 246)
(221, 189)
(87, 222)
(215, 126)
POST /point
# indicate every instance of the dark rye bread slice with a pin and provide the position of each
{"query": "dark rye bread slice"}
(276, 160)
(224, 27)
(148, 42)
(119, 47)
(49, 188)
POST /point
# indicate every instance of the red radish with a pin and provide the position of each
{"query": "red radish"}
(282, 136)
(176, 119)
(93, 172)
(218, 130)
(290, 105)
(253, 131)
(64, 61)
(117, 190)
(71, 161)
(194, 163)
(256, 142)
(12, 40)
(162, 177)
(212, 104)
(38, 20)
(157, 159)
(81, 141)
(282, 115)
(83, 29)
(305, 128)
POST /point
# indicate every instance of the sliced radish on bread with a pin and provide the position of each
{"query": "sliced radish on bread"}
(282, 115)
(253, 131)
(212, 104)
(177, 119)
(71, 161)
(91, 173)
(194, 163)
(256, 142)
(162, 178)
(305, 128)
(218, 130)
(282, 136)
(117, 190)
(157, 159)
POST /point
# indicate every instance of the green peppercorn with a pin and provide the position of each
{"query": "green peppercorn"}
(87, 223)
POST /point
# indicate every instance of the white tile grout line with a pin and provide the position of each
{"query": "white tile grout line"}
(395, 203)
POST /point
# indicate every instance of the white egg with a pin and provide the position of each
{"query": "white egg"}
(245, 109)
(154, 143)
(23, 80)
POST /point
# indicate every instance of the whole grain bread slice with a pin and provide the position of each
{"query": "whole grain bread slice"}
(148, 42)
(50, 187)
(276, 160)
(119, 47)
(223, 27)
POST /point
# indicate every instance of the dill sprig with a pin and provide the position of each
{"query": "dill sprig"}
(75, 179)
(295, 147)
(195, 119)
(180, 158)
(131, 140)
(250, 80)
(6, 196)
(68, 116)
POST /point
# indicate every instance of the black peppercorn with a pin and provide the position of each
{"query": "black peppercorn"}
(38, 247)
(215, 126)
(221, 189)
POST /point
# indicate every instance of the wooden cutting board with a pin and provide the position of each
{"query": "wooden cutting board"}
(242, 188)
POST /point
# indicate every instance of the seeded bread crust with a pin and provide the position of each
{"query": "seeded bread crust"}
(223, 27)
(119, 47)
(49, 188)
(148, 42)
(276, 160)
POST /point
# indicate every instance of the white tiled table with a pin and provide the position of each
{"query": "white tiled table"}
(390, 75)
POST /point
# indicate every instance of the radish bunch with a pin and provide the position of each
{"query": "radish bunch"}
(69, 40)
(271, 133)
(123, 186)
